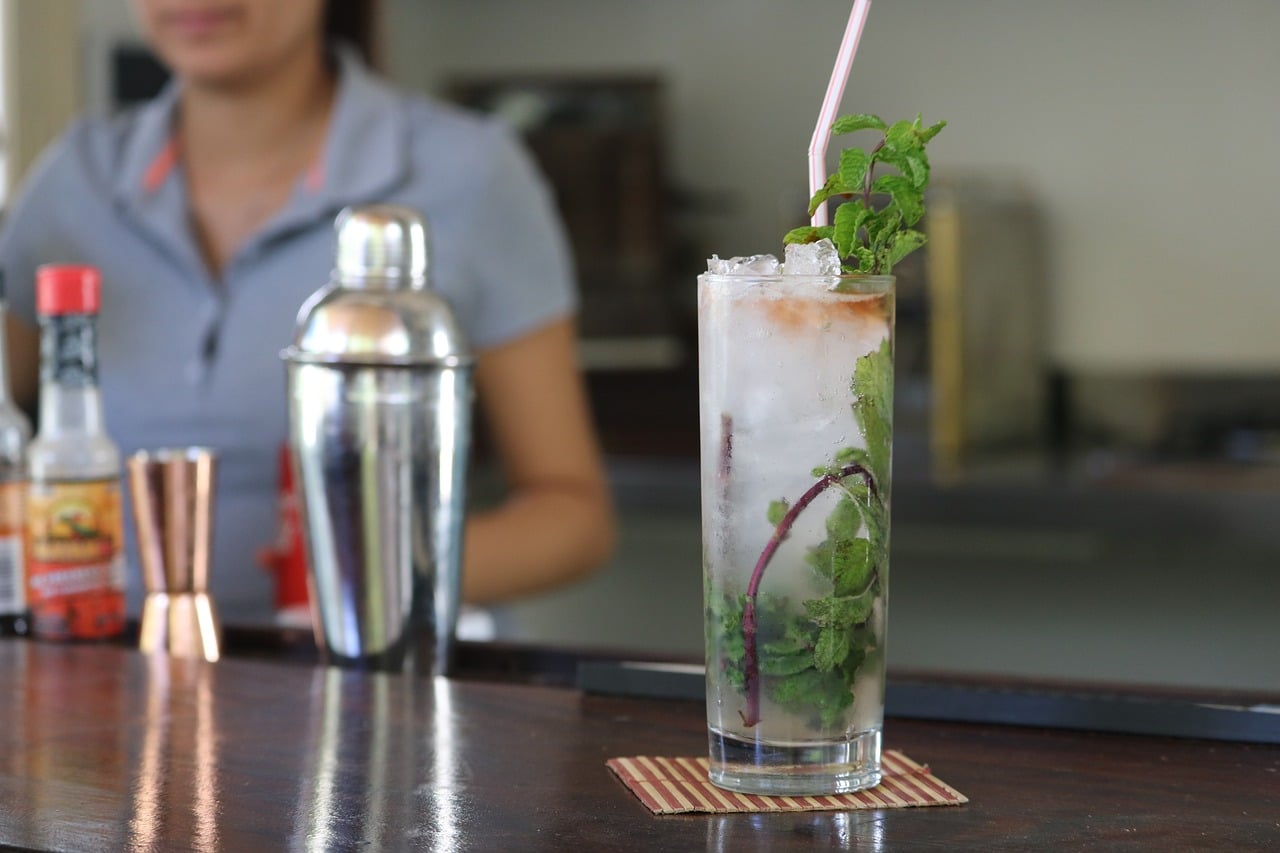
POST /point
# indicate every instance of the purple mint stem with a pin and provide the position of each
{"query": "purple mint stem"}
(726, 447)
(866, 184)
(749, 629)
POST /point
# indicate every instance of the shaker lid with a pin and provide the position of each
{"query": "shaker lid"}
(381, 242)
(378, 309)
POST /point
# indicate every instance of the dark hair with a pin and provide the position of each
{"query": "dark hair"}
(354, 22)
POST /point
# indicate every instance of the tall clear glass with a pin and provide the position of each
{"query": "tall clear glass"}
(796, 376)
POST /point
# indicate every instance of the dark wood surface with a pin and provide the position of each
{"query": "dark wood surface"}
(102, 748)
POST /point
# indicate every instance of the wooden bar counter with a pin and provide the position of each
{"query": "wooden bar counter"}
(102, 748)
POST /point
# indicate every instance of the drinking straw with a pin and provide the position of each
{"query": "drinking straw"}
(831, 103)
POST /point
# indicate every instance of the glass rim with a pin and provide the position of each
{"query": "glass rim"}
(176, 453)
(861, 283)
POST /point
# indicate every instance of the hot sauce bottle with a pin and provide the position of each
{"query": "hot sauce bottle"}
(75, 584)
(15, 433)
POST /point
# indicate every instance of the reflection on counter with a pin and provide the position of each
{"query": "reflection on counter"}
(160, 797)
(825, 830)
(362, 764)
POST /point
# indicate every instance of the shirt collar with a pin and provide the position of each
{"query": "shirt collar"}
(365, 155)
(367, 150)
(148, 155)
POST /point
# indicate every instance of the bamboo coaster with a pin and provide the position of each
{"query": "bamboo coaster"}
(680, 785)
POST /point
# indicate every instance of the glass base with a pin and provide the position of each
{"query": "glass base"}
(811, 767)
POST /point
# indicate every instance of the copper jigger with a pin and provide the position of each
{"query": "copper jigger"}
(172, 492)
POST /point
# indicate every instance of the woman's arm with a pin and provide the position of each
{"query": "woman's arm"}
(23, 356)
(557, 523)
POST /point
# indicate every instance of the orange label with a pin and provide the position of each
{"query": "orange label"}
(12, 528)
(75, 582)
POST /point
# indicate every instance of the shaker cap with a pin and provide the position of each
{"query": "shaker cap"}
(381, 242)
(67, 289)
(378, 309)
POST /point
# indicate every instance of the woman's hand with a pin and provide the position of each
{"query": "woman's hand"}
(557, 523)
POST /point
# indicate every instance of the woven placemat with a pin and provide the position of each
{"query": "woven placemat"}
(680, 785)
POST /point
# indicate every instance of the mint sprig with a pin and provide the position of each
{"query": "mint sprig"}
(871, 239)
(808, 658)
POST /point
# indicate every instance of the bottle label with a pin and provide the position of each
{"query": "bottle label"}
(68, 351)
(76, 567)
(13, 593)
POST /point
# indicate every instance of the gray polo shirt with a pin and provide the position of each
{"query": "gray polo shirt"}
(188, 359)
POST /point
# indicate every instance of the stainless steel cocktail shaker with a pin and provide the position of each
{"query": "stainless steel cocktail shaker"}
(379, 430)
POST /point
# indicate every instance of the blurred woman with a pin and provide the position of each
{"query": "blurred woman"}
(209, 211)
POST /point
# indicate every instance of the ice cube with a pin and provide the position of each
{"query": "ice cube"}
(753, 265)
(820, 258)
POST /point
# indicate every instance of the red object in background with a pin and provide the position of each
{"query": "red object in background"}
(287, 559)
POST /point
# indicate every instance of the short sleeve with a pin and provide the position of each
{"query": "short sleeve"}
(521, 270)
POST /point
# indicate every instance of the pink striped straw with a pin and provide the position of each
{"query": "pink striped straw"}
(831, 103)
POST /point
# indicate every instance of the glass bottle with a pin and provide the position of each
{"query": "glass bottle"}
(15, 434)
(75, 584)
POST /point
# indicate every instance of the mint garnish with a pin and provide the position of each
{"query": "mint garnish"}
(869, 239)
(808, 658)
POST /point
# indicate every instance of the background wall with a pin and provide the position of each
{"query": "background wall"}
(1144, 128)
(41, 82)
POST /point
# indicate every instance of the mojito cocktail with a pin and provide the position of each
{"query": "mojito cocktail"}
(796, 424)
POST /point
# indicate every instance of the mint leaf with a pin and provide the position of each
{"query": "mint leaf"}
(809, 234)
(831, 650)
(822, 559)
(859, 492)
(854, 123)
(873, 378)
(771, 612)
(900, 135)
(849, 219)
(872, 238)
(833, 187)
(839, 611)
(873, 407)
(903, 244)
(851, 456)
(730, 617)
(846, 563)
(858, 654)
(876, 428)
(877, 527)
(796, 641)
(854, 163)
(852, 567)
(798, 689)
(826, 694)
(907, 198)
(889, 223)
(834, 695)
(791, 664)
(931, 131)
(912, 163)
(845, 520)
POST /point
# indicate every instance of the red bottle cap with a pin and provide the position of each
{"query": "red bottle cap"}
(67, 289)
